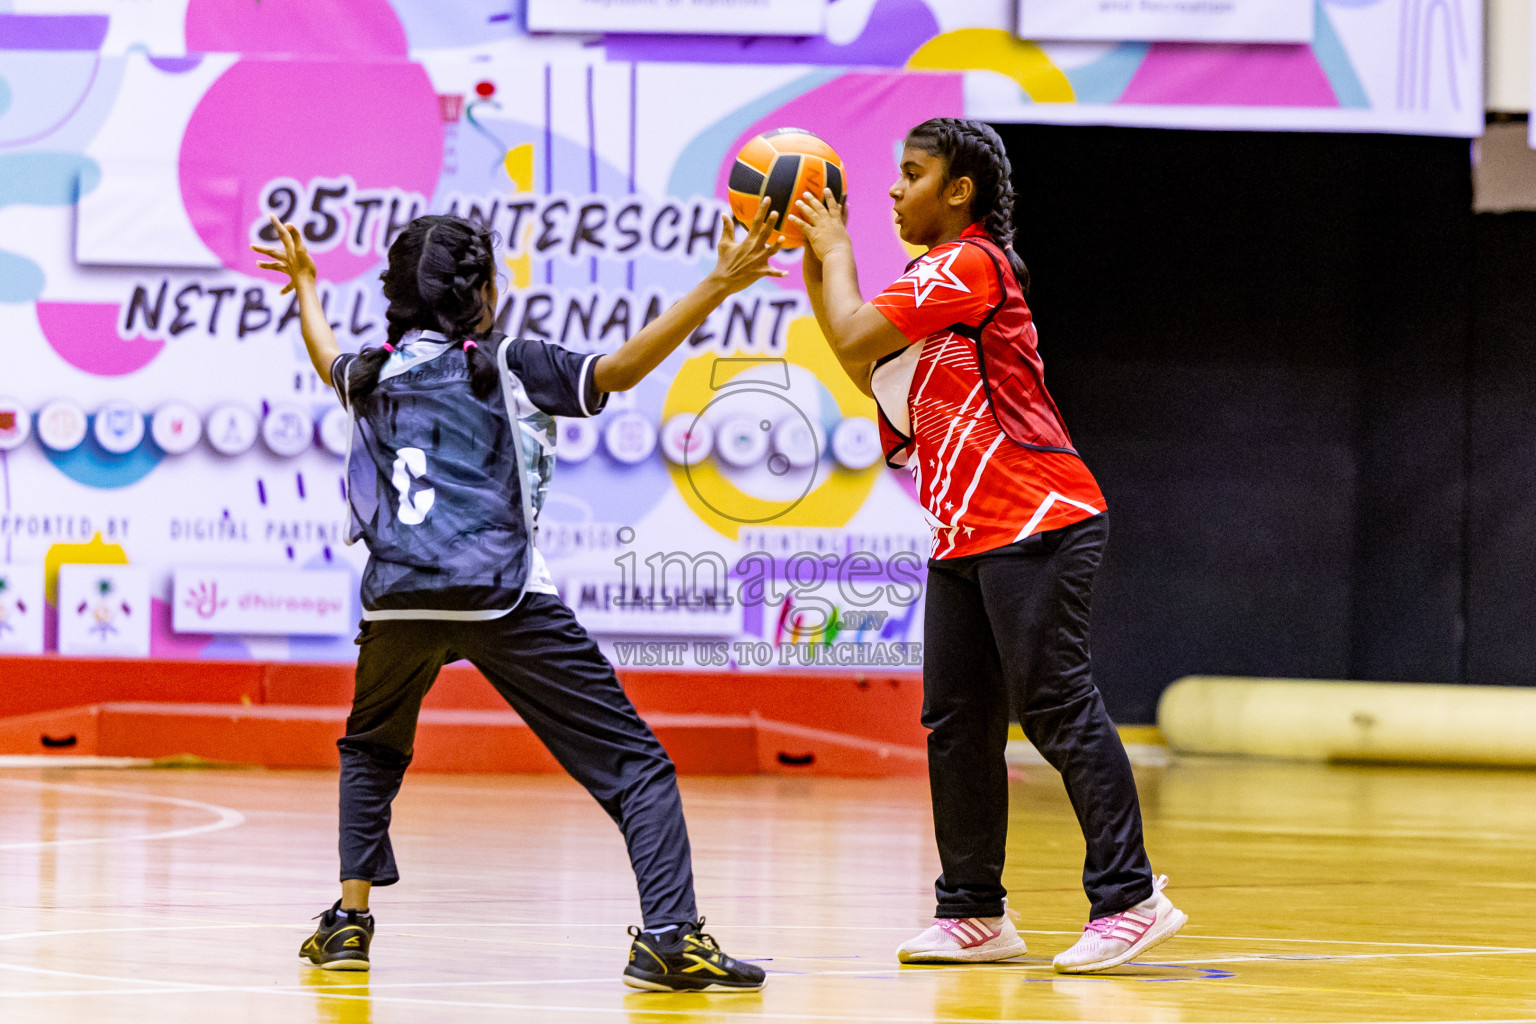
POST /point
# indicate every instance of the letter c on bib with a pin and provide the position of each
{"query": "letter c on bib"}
(411, 463)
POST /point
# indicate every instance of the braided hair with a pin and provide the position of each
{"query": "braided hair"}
(438, 269)
(971, 149)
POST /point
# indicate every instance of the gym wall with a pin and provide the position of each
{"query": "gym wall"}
(1302, 370)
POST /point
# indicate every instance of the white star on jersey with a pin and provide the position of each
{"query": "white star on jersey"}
(934, 272)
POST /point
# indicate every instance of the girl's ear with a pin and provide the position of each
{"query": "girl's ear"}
(959, 192)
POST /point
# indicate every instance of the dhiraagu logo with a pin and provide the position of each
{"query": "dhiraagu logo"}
(747, 437)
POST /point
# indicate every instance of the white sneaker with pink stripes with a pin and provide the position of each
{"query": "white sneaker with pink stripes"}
(965, 940)
(1111, 941)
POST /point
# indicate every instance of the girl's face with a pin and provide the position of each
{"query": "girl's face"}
(489, 295)
(928, 206)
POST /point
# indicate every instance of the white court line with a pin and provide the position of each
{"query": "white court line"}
(227, 817)
(157, 987)
(70, 761)
(1333, 942)
(715, 1013)
(154, 987)
(1259, 957)
(756, 1013)
(296, 926)
(51, 993)
(160, 986)
(1260, 828)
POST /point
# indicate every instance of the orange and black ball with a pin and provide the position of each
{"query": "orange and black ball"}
(781, 165)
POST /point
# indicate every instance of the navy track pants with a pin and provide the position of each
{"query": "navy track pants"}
(546, 666)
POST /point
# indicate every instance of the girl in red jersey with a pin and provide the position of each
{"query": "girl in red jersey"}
(949, 353)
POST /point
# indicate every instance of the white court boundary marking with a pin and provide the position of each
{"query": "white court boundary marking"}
(1342, 832)
(319, 992)
(156, 987)
(227, 816)
(609, 926)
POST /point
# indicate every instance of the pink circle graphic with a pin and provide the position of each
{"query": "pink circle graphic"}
(84, 334)
(375, 122)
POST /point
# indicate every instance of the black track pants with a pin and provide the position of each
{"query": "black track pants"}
(1012, 625)
(541, 660)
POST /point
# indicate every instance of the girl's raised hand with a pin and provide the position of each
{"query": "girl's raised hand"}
(823, 222)
(740, 263)
(293, 259)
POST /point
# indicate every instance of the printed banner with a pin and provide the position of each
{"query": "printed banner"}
(731, 17)
(104, 611)
(169, 416)
(1179, 21)
(273, 602)
(21, 609)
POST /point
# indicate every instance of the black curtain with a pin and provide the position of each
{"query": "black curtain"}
(1262, 344)
(1501, 463)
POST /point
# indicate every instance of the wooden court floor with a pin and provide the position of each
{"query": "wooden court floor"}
(1316, 894)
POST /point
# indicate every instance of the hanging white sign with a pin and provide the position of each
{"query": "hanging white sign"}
(1183, 21)
(685, 17)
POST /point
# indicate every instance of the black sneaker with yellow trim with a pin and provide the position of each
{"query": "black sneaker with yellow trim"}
(341, 941)
(686, 960)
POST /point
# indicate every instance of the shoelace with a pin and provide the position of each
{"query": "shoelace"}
(1104, 926)
(339, 913)
(706, 940)
(700, 936)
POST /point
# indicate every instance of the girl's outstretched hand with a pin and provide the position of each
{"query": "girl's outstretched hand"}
(823, 222)
(740, 263)
(293, 259)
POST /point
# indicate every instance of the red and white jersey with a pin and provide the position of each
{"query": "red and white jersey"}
(965, 405)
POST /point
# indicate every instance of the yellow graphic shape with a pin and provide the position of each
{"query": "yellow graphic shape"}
(93, 552)
(994, 49)
(519, 165)
(838, 493)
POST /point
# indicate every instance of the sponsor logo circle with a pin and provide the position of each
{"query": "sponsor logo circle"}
(335, 431)
(743, 440)
(119, 427)
(630, 438)
(798, 442)
(15, 424)
(575, 440)
(176, 428)
(856, 443)
(232, 429)
(686, 439)
(287, 430)
(61, 425)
